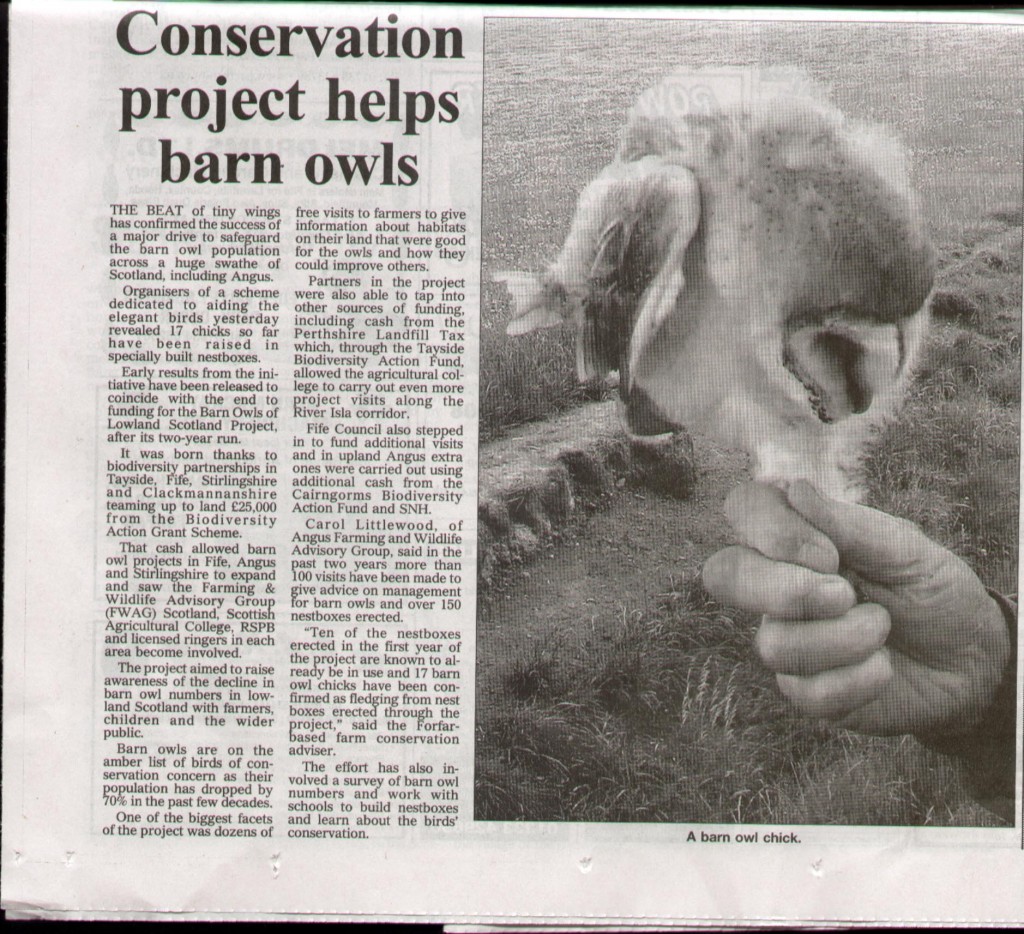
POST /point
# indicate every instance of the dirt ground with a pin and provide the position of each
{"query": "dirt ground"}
(620, 561)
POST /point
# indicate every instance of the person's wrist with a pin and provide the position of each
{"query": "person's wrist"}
(987, 747)
(993, 715)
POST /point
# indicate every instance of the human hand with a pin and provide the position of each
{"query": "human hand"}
(927, 648)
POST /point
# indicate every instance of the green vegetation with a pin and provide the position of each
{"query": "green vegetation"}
(950, 461)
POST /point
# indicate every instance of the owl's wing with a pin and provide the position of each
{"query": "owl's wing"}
(621, 267)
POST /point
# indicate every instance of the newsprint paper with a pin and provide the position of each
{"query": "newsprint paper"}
(503, 465)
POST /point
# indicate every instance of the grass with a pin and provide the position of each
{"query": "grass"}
(527, 379)
(950, 460)
(674, 723)
(673, 720)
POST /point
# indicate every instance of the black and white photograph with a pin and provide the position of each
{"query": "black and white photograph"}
(749, 422)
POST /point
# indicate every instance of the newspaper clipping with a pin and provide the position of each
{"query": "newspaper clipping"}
(504, 467)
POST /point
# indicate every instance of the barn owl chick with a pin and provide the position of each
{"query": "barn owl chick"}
(755, 269)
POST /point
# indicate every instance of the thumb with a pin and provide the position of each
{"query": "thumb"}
(874, 544)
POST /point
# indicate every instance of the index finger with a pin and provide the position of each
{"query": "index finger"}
(747, 580)
(763, 519)
(879, 547)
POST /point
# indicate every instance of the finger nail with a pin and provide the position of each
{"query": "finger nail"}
(802, 491)
(837, 591)
(818, 557)
(881, 666)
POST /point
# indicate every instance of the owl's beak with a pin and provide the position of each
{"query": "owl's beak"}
(843, 366)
